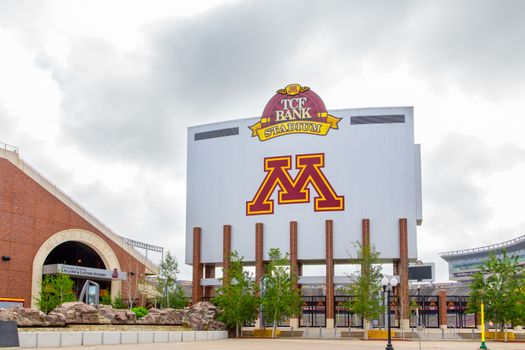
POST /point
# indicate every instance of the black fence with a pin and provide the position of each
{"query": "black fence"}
(314, 311)
(457, 316)
(424, 311)
(343, 316)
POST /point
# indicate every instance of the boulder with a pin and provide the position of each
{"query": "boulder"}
(202, 316)
(76, 312)
(117, 316)
(26, 317)
(163, 317)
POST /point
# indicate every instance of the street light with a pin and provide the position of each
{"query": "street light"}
(389, 285)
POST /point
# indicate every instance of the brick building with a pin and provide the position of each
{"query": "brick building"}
(42, 230)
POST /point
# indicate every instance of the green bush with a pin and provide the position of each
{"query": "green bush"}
(105, 297)
(55, 290)
(140, 311)
(118, 303)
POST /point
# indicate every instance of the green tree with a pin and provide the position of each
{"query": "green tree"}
(237, 299)
(366, 290)
(167, 282)
(280, 298)
(500, 286)
(177, 298)
(118, 303)
(55, 290)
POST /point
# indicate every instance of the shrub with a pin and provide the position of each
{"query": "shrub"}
(55, 290)
(118, 303)
(105, 297)
(140, 311)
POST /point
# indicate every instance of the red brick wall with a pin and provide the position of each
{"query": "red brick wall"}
(29, 215)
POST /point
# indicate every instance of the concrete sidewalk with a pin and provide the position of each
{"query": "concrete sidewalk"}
(305, 344)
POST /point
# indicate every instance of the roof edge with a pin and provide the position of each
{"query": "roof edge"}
(26, 168)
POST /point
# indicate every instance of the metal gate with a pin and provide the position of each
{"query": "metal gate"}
(457, 316)
(314, 311)
(344, 317)
(428, 310)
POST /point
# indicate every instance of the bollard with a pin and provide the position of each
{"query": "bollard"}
(472, 333)
(335, 332)
(320, 332)
(442, 333)
(291, 329)
(349, 332)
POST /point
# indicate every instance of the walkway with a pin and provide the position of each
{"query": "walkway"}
(305, 344)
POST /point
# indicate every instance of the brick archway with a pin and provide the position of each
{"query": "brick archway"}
(90, 239)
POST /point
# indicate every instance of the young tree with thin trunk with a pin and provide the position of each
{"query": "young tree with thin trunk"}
(237, 299)
(55, 290)
(132, 285)
(172, 295)
(366, 290)
(280, 298)
(500, 286)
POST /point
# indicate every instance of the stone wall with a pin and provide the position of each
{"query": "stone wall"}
(201, 316)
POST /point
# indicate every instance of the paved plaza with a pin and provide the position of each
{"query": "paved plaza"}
(305, 344)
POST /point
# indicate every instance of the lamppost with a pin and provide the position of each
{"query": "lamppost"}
(389, 285)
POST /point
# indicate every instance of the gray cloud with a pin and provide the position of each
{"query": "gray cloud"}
(455, 201)
(226, 62)
(27, 18)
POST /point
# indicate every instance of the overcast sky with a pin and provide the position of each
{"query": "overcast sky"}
(98, 96)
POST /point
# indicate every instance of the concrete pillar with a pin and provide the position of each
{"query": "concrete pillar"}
(196, 294)
(209, 272)
(442, 295)
(294, 266)
(330, 321)
(402, 267)
(226, 251)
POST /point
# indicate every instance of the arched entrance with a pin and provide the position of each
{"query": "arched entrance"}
(74, 245)
(74, 253)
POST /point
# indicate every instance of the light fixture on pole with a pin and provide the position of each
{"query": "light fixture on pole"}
(389, 286)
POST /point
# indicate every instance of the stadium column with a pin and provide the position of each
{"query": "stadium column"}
(442, 302)
(402, 269)
(365, 232)
(226, 250)
(196, 294)
(294, 266)
(329, 274)
(259, 261)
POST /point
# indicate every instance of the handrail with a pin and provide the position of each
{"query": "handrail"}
(8, 147)
(485, 248)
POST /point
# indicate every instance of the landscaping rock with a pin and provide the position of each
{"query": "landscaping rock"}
(26, 317)
(76, 312)
(117, 316)
(163, 317)
(202, 317)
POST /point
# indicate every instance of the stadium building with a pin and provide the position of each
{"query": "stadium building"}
(462, 264)
(310, 182)
(43, 231)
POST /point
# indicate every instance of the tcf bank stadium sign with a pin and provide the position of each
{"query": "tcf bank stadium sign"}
(294, 109)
